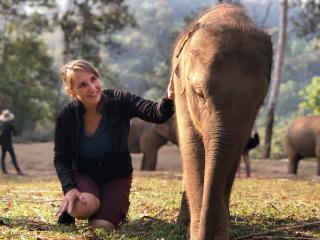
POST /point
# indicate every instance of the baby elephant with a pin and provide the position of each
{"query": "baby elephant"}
(302, 140)
(147, 138)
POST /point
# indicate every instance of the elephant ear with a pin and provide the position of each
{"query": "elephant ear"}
(176, 71)
(176, 74)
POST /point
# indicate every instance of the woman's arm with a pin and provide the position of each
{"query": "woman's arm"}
(157, 112)
(62, 156)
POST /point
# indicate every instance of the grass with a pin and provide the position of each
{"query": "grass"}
(28, 204)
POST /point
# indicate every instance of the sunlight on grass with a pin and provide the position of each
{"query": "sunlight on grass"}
(28, 206)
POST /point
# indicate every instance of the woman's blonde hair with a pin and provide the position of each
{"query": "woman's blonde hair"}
(72, 66)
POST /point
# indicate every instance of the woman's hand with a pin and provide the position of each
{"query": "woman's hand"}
(170, 90)
(69, 200)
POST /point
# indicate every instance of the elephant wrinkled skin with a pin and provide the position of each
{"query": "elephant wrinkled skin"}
(221, 71)
(147, 138)
(302, 140)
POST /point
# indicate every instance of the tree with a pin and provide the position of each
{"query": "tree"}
(22, 17)
(288, 100)
(276, 77)
(145, 66)
(26, 82)
(307, 22)
(88, 28)
(311, 95)
(229, 1)
(26, 78)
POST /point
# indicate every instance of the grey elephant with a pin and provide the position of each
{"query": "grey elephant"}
(221, 69)
(147, 138)
(302, 139)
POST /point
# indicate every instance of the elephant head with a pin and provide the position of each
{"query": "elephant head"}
(168, 130)
(221, 71)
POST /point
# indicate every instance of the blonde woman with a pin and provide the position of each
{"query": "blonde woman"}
(91, 153)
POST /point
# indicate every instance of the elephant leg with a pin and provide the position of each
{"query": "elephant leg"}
(192, 152)
(143, 163)
(149, 160)
(184, 213)
(294, 159)
(246, 159)
(150, 142)
(3, 164)
(318, 159)
(239, 170)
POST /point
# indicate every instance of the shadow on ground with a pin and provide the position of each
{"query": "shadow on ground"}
(33, 225)
(270, 228)
(152, 228)
(241, 228)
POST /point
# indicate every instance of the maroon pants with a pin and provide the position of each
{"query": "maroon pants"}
(113, 195)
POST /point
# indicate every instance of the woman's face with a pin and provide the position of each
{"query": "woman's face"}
(86, 87)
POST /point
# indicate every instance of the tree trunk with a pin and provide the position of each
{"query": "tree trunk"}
(276, 77)
(5, 34)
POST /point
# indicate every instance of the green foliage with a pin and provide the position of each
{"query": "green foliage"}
(28, 205)
(26, 79)
(27, 17)
(27, 82)
(307, 23)
(281, 124)
(289, 98)
(297, 45)
(278, 150)
(145, 67)
(88, 27)
(311, 96)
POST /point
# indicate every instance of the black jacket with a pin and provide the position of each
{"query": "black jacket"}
(7, 129)
(120, 107)
(252, 143)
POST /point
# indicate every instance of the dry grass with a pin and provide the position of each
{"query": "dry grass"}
(269, 201)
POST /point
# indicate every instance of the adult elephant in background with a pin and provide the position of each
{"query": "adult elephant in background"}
(302, 140)
(147, 138)
(221, 72)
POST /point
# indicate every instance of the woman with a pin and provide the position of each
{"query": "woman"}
(7, 129)
(91, 153)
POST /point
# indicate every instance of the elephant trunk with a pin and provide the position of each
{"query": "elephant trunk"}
(222, 155)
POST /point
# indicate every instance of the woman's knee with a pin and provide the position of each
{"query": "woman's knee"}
(85, 210)
(102, 224)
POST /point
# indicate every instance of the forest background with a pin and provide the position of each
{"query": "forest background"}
(130, 42)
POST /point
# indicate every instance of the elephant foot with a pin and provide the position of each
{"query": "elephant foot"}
(217, 236)
(221, 238)
(222, 232)
(184, 213)
(183, 219)
(292, 170)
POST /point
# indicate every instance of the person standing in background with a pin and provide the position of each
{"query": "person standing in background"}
(7, 129)
(253, 141)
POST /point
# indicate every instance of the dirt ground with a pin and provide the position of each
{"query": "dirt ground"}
(36, 159)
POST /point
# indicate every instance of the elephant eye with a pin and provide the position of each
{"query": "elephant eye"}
(199, 92)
